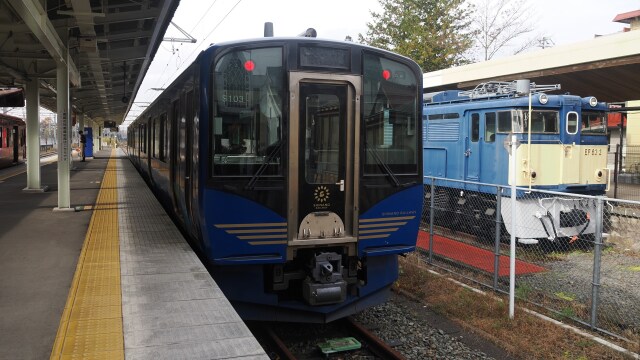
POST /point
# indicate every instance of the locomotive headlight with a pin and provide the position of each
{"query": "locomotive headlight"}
(533, 175)
(599, 174)
(543, 99)
(593, 101)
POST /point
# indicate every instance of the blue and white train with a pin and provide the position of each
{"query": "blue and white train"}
(294, 166)
(562, 148)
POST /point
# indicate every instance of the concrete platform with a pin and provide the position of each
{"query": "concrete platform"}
(113, 280)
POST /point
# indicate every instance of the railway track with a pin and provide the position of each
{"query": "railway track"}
(292, 341)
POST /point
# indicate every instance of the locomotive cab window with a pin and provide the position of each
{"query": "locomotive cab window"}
(594, 123)
(390, 117)
(247, 113)
(504, 121)
(542, 121)
(572, 122)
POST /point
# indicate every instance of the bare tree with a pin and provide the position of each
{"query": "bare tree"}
(499, 23)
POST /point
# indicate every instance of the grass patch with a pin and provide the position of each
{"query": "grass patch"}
(564, 296)
(525, 336)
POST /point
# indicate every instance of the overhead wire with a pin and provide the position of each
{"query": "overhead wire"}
(203, 41)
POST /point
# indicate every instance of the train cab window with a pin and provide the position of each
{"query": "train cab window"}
(247, 113)
(475, 127)
(390, 116)
(490, 127)
(1, 136)
(504, 121)
(572, 122)
(542, 121)
(594, 123)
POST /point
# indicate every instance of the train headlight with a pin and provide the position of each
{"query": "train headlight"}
(533, 175)
(593, 101)
(543, 99)
(599, 174)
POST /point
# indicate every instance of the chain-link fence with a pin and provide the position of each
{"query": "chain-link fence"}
(576, 256)
(625, 180)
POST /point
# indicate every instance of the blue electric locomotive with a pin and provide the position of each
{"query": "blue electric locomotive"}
(294, 165)
(563, 148)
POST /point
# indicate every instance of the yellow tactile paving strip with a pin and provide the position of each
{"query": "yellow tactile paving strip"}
(91, 323)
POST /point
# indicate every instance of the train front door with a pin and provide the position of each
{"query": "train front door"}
(323, 163)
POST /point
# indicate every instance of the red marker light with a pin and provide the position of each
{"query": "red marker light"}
(249, 65)
(386, 74)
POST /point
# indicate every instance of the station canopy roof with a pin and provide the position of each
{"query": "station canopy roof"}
(607, 67)
(110, 45)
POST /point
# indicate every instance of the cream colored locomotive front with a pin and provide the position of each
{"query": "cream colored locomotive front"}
(539, 215)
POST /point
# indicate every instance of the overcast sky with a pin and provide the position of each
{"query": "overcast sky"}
(563, 21)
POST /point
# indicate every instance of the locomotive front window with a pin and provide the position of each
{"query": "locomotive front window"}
(594, 123)
(542, 121)
(247, 113)
(390, 116)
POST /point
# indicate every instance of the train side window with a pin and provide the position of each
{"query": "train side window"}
(475, 127)
(154, 137)
(163, 135)
(490, 127)
(572, 122)
(1, 133)
(504, 121)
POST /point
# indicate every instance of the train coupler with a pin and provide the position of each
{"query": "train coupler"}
(326, 284)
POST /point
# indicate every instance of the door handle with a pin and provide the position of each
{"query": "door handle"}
(341, 183)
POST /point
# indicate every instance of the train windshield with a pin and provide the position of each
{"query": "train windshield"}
(247, 113)
(390, 108)
(594, 123)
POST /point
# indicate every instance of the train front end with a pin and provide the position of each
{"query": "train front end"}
(563, 149)
(313, 186)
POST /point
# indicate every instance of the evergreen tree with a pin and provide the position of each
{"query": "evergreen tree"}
(434, 33)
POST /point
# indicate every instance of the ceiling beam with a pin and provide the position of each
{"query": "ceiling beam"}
(36, 19)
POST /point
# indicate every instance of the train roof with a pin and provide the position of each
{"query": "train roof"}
(506, 94)
(302, 40)
(15, 119)
(440, 102)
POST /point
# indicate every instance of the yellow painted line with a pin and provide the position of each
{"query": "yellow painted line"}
(381, 236)
(227, 226)
(381, 225)
(387, 219)
(91, 323)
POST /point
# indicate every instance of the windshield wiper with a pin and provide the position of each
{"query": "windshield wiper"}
(267, 160)
(383, 165)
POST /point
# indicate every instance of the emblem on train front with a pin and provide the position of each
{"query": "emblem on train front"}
(321, 194)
